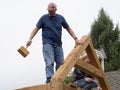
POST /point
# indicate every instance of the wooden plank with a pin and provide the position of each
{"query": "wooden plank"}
(37, 87)
(61, 86)
(55, 86)
(66, 87)
(70, 61)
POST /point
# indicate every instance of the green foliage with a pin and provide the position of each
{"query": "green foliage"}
(105, 36)
(68, 79)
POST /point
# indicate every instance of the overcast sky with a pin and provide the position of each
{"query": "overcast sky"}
(19, 17)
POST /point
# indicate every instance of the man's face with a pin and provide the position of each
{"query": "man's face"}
(51, 8)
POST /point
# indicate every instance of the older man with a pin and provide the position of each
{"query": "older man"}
(51, 25)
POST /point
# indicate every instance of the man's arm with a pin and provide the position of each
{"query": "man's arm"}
(33, 33)
(71, 32)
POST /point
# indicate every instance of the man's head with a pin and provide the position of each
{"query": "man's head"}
(52, 9)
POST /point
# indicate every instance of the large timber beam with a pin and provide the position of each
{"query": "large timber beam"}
(58, 86)
(95, 62)
(88, 68)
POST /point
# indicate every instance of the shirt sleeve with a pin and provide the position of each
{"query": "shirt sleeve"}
(64, 23)
(40, 23)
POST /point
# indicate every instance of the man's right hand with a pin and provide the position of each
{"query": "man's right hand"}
(28, 43)
(88, 79)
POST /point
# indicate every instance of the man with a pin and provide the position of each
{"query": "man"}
(83, 80)
(51, 25)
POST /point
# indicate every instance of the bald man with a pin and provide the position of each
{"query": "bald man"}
(51, 25)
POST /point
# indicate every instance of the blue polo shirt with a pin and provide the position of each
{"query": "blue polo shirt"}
(52, 28)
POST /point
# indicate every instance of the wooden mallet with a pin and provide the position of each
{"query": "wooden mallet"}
(23, 51)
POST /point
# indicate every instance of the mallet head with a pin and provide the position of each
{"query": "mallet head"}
(23, 51)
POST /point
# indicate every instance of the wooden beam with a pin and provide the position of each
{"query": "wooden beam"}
(61, 86)
(92, 55)
(95, 62)
(88, 68)
(37, 87)
(57, 86)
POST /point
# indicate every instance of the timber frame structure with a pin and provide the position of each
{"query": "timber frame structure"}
(74, 60)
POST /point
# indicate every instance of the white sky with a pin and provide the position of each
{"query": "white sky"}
(18, 18)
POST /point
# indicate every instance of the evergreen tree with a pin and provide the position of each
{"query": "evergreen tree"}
(105, 36)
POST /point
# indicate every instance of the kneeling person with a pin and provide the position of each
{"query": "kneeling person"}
(83, 80)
